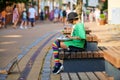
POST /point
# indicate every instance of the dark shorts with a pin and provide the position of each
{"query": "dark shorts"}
(24, 19)
(3, 19)
(32, 19)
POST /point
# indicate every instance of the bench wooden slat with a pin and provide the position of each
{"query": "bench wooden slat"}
(61, 54)
(94, 37)
(73, 55)
(73, 76)
(101, 76)
(89, 55)
(84, 54)
(91, 76)
(115, 57)
(116, 49)
(89, 37)
(101, 52)
(83, 76)
(112, 56)
(67, 55)
(65, 76)
(78, 54)
(96, 54)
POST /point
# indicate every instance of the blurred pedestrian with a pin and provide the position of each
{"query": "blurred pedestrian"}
(97, 15)
(15, 16)
(0, 20)
(91, 16)
(56, 14)
(23, 24)
(67, 12)
(31, 15)
(51, 17)
(3, 18)
(61, 15)
(41, 15)
(64, 16)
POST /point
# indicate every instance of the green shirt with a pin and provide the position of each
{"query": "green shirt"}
(78, 31)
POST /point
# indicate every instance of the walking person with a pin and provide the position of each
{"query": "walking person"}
(3, 18)
(61, 15)
(41, 15)
(31, 15)
(0, 20)
(91, 16)
(67, 12)
(51, 17)
(78, 37)
(97, 15)
(23, 24)
(56, 14)
(15, 16)
(64, 17)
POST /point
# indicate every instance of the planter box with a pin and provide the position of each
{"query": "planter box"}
(102, 22)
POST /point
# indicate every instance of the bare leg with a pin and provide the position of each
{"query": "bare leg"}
(15, 23)
(25, 24)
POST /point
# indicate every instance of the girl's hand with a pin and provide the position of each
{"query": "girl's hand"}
(68, 36)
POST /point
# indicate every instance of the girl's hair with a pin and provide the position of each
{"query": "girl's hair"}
(71, 21)
(14, 7)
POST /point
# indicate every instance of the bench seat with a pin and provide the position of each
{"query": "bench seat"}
(112, 55)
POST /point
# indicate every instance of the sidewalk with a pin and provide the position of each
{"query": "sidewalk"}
(28, 42)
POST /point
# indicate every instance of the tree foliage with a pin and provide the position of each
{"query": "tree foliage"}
(105, 5)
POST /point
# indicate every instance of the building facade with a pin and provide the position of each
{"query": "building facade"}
(113, 11)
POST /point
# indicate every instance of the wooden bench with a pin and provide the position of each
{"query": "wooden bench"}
(112, 55)
(85, 76)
